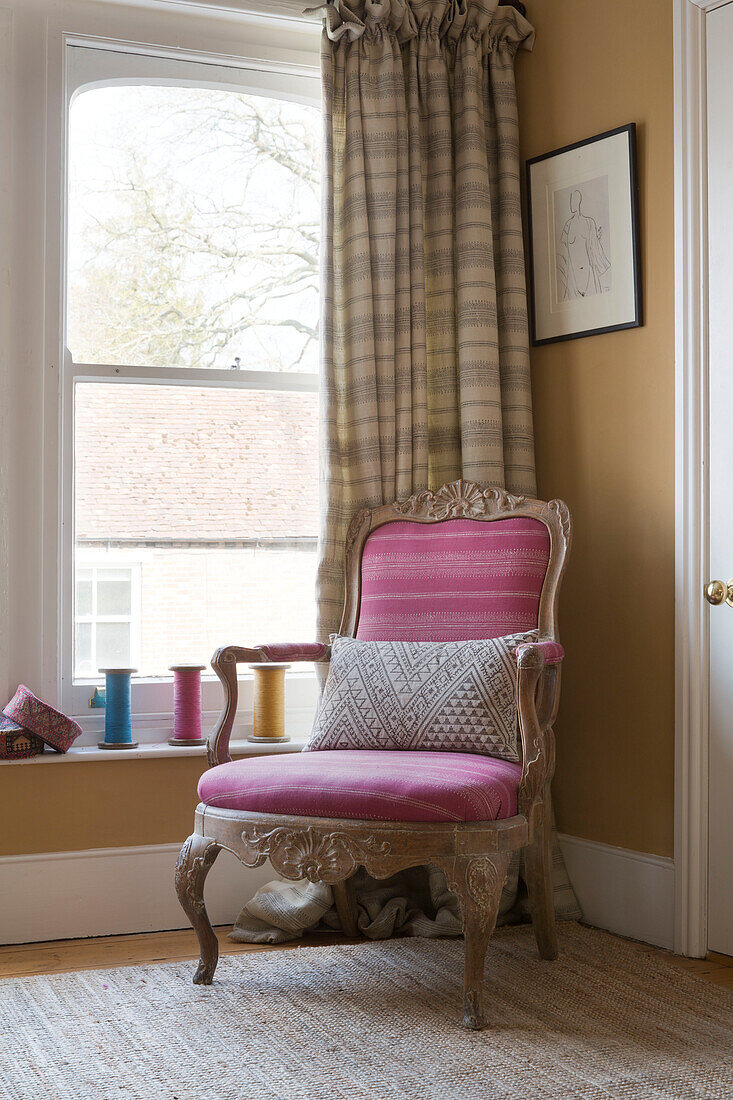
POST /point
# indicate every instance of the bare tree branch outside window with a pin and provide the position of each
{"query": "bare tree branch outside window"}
(197, 229)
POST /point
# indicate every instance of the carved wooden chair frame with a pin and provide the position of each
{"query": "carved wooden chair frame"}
(474, 855)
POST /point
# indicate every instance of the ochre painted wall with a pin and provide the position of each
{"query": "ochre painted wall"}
(604, 424)
(604, 427)
(60, 807)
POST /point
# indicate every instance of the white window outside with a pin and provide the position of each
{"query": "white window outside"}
(190, 384)
(107, 618)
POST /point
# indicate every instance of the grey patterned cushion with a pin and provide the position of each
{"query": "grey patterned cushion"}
(447, 696)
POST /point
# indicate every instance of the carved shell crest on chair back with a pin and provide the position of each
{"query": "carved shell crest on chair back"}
(430, 568)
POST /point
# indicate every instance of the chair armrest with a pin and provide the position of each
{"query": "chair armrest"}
(295, 651)
(538, 696)
(224, 663)
(552, 652)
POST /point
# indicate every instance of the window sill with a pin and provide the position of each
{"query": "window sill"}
(153, 730)
(153, 751)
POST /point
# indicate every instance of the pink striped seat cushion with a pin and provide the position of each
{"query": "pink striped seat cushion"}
(454, 580)
(368, 784)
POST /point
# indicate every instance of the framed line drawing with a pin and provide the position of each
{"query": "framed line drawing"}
(585, 269)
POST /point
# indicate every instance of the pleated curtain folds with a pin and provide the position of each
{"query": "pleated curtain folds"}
(425, 351)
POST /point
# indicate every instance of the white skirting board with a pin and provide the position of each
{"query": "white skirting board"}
(629, 893)
(110, 891)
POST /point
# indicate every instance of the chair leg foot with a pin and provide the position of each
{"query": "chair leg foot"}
(473, 1011)
(474, 1016)
(478, 881)
(538, 874)
(194, 863)
(205, 971)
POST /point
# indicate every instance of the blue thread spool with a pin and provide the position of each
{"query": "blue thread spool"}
(118, 713)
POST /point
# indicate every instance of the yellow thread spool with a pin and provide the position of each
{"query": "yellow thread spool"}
(269, 703)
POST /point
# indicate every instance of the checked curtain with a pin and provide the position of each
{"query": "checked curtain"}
(425, 355)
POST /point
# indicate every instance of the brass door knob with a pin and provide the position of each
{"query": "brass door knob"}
(717, 592)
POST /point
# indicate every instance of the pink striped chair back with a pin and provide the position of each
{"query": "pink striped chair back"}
(454, 579)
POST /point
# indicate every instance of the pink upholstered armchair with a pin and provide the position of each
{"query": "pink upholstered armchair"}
(464, 562)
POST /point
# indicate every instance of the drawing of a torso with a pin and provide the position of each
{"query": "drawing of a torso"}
(582, 261)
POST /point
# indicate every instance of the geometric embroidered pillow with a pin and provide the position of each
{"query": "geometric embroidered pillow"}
(445, 696)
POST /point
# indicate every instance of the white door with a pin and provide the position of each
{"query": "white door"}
(720, 245)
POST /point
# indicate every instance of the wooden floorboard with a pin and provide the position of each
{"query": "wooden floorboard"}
(61, 956)
(717, 969)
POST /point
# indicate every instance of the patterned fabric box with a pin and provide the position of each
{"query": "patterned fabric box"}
(17, 743)
(39, 718)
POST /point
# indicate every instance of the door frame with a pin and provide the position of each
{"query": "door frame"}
(692, 667)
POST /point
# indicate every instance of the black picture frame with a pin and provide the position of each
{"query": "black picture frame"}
(638, 319)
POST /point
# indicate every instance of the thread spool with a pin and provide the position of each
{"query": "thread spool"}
(269, 703)
(118, 710)
(187, 705)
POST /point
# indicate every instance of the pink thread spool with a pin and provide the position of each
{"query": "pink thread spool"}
(187, 705)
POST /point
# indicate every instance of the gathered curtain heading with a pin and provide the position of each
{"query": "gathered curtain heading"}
(447, 19)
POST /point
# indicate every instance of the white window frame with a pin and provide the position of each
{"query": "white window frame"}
(102, 63)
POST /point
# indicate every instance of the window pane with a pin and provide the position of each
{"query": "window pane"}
(83, 592)
(83, 656)
(214, 493)
(113, 645)
(193, 229)
(114, 592)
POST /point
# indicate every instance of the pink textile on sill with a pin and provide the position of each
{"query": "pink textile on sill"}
(452, 581)
(44, 721)
(365, 784)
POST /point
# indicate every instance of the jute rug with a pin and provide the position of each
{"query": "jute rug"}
(378, 1021)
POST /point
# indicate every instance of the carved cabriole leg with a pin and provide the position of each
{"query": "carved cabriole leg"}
(343, 895)
(538, 874)
(478, 881)
(194, 862)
